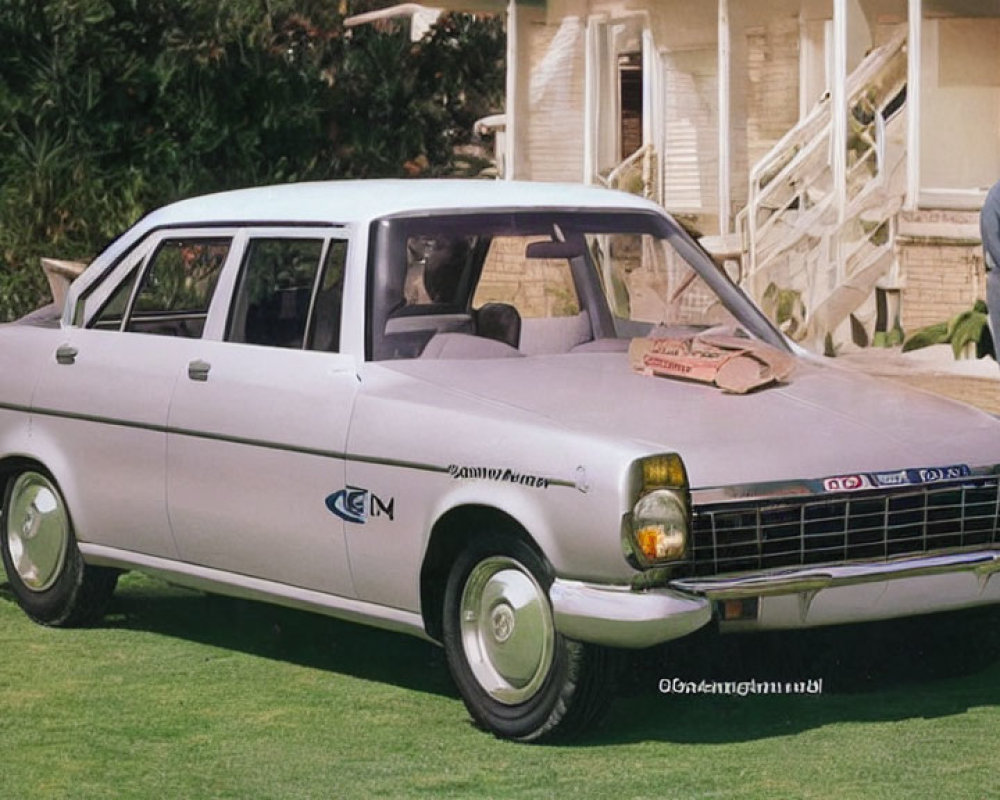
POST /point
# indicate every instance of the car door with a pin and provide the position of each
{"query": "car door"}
(258, 421)
(100, 406)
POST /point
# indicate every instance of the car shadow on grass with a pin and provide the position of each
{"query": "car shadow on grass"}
(923, 667)
(690, 691)
(283, 634)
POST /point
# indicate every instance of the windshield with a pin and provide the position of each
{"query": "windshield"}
(528, 283)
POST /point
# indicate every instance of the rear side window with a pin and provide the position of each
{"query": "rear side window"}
(324, 323)
(176, 290)
(289, 294)
(275, 291)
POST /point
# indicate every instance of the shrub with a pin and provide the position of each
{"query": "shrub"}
(109, 108)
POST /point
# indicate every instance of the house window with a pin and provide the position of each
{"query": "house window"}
(630, 92)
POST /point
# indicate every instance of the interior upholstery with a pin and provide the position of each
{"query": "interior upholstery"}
(464, 345)
(547, 335)
(499, 321)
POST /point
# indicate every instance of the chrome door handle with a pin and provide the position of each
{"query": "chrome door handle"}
(198, 370)
(66, 354)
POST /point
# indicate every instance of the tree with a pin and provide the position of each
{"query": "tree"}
(109, 108)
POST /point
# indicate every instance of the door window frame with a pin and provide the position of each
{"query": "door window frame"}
(229, 281)
(137, 261)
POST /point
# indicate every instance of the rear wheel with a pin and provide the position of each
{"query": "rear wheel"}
(519, 677)
(46, 572)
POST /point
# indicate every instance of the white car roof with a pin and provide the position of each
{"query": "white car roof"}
(355, 203)
(359, 201)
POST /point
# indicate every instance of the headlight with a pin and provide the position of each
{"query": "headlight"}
(656, 531)
(659, 523)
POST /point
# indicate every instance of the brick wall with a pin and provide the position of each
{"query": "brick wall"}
(772, 83)
(941, 279)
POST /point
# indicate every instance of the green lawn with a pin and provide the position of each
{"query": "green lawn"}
(182, 695)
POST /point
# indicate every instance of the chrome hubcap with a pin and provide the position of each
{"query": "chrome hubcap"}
(507, 630)
(37, 531)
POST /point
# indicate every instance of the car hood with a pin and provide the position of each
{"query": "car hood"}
(825, 421)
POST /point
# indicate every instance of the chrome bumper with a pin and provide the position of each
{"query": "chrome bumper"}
(617, 616)
(831, 595)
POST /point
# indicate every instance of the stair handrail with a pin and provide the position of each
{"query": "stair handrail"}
(785, 177)
(815, 125)
(611, 179)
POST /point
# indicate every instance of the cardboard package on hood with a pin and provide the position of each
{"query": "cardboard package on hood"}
(734, 364)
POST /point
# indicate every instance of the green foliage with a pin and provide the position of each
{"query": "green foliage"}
(786, 309)
(970, 327)
(109, 108)
(890, 338)
(965, 328)
(925, 337)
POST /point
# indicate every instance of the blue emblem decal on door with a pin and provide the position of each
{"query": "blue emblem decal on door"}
(354, 504)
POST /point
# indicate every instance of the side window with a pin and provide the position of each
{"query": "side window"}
(535, 287)
(113, 312)
(177, 288)
(325, 324)
(274, 292)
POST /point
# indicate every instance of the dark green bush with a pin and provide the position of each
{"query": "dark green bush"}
(109, 108)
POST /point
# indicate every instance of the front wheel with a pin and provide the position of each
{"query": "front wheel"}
(519, 677)
(46, 572)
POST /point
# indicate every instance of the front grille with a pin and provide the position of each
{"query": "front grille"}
(857, 526)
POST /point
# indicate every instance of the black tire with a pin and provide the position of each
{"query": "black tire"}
(519, 678)
(46, 572)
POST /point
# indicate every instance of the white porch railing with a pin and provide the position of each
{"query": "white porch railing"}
(635, 174)
(808, 263)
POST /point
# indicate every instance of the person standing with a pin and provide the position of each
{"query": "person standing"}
(989, 228)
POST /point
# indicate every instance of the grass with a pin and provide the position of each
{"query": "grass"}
(183, 695)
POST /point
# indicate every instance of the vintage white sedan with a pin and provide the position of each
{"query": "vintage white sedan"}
(412, 404)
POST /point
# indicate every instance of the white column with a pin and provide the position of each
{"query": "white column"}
(512, 128)
(648, 81)
(838, 108)
(913, 47)
(591, 100)
(725, 190)
(805, 59)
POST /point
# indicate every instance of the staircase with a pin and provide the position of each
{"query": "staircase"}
(809, 265)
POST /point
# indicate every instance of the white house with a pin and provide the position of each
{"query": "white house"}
(837, 151)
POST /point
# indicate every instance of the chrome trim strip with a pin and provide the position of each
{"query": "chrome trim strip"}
(244, 440)
(216, 581)
(241, 440)
(984, 563)
(393, 462)
(80, 417)
(617, 616)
